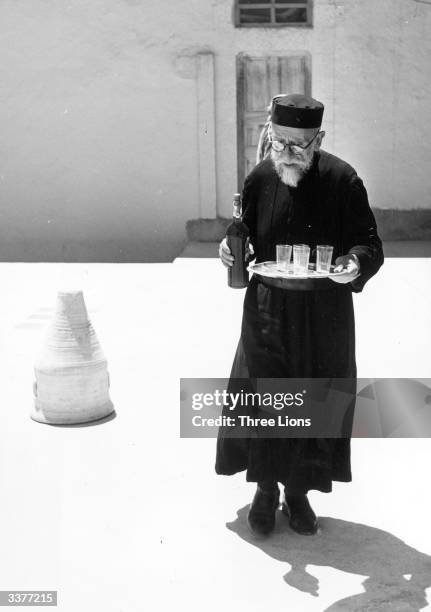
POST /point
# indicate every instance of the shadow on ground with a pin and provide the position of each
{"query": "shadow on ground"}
(106, 419)
(397, 575)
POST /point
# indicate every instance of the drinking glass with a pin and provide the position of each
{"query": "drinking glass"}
(301, 256)
(284, 252)
(323, 257)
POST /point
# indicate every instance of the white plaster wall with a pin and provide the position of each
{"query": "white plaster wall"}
(383, 93)
(99, 156)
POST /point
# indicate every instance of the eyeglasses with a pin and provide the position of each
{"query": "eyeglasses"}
(280, 146)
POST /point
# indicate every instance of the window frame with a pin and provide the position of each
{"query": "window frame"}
(271, 4)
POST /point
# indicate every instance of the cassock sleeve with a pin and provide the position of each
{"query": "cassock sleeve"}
(360, 235)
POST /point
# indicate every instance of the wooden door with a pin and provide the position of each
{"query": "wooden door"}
(258, 80)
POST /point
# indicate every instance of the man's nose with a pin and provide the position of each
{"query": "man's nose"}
(287, 152)
(290, 155)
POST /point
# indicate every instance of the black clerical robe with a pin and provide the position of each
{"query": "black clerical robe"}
(300, 334)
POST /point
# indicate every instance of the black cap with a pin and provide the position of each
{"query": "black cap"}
(297, 110)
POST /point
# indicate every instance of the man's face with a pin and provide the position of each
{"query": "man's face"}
(291, 165)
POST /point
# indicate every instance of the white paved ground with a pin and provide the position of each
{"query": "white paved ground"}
(126, 516)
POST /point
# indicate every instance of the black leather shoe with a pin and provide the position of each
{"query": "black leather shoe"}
(300, 514)
(261, 516)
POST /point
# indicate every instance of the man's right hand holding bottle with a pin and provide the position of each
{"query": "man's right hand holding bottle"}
(227, 258)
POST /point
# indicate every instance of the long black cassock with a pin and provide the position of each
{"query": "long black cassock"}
(300, 334)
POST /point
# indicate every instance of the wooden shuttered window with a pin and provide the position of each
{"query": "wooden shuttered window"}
(272, 13)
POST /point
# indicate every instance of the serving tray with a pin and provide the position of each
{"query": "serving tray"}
(287, 279)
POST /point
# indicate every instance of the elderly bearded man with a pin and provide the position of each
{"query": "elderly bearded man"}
(298, 194)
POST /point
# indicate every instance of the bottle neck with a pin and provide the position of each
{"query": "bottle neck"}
(237, 211)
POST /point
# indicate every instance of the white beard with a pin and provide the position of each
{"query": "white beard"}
(290, 174)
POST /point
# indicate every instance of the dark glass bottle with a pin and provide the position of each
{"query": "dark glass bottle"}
(236, 237)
